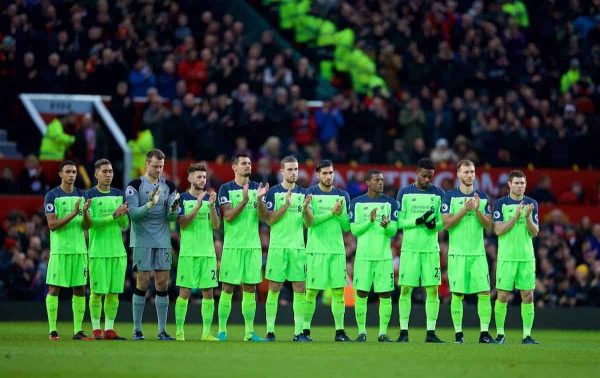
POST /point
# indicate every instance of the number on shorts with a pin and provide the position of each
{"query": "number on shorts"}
(437, 273)
(214, 274)
(392, 277)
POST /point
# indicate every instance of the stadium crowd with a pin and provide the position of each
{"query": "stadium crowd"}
(464, 79)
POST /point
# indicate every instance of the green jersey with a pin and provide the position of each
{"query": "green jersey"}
(373, 241)
(516, 244)
(106, 233)
(288, 231)
(197, 238)
(70, 238)
(466, 236)
(413, 203)
(242, 232)
(326, 234)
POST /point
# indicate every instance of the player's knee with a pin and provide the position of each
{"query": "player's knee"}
(276, 286)
(184, 293)
(79, 291)
(502, 296)
(527, 296)
(53, 290)
(406, 290)
(299, 287)
(431, 290)
(249, 288)
(458, 297)
(385, 295)
(362, 294)
(207, 294)
(227, 288)
(337, 292)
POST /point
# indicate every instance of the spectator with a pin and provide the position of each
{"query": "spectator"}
(330, 121)
(304, 124)
(542, 191)
(31, 178)
(141, 79)
(91, 143)
(574, 196)
(442, 154)
(154, 119)
(55, 141)
(193, 71)
(398, 156)
(167, 81)
(8, 184)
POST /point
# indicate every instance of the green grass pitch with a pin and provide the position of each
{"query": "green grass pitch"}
(26, 351)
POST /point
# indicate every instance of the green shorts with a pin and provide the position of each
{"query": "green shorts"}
(468, 274)
(67, 270)
(286, 264)
(420, 269)
(325, 271)
(241, 265)
(515, 274)
(376, 273)
(197, 272)
(107, 274)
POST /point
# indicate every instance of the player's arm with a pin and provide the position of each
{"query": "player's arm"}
(173, 201)
(56, 223)
(357, 228)
(87, 218)
(501, 227)
(123, 220)
(185, 219)
(391, 224)
(531, 221)
(307, 212)
(273, 217)
(484, 218)
(343, 218)
(137, 211)
(450, 220)
(403, 219)
(229, 212)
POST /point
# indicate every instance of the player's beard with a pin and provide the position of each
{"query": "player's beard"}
(198, 187)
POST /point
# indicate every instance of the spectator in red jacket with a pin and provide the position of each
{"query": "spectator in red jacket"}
(193, 71)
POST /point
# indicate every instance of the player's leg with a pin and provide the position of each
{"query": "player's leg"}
(275, 272)
(208, 312)
(296, 274)
(431, 279)
(230, 274)
(52, 311)
(161, 301)
(98, 287)
(506, 272)
(456, 278)
(142, 264)
(271, 308)
(251, 276)
(181, 306)
(314, 283)
(79, 274)
(525, 282)
(337, 281)
(409, 278)
(95, 314)
(479, 282)
(111, 300)
(383, 284)
(208, 281)
(363, 280)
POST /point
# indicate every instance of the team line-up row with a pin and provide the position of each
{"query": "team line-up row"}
(420, 210)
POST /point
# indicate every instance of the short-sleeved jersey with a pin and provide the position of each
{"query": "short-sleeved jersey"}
(150, 227)
(413, 203)
(516, 244)
(466, 236)
(106, 233)
(70, 238)
(242, 232)
(288, 231)
(197, 238)
(327, 237)
(374, 244)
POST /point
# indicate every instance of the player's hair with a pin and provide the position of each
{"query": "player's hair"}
(425, 163)
(465, 162)
(515, 174)
(65, 163)
(288, 159)
(371, 173)
(100, 162)
(235, 158)
(324, 164)
(195, 167)
(155, 153)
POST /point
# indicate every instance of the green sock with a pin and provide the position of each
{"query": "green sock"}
(309, 307)
(224, 310)
(404, 304)
(484, 310)
(527, 314)
(385, 313)
(111, 305)
(500, 316)
(52, 311)
(95, 310)
(208, 312)
(298, 306)
(248, 312)
(338, 308)
(78, 306)
(271, 309)
(456, 310)
(181, 306)
(360, 312)
(432, 307)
